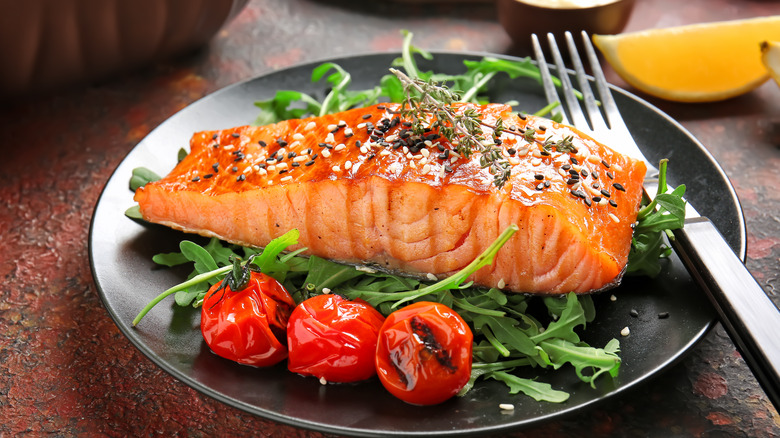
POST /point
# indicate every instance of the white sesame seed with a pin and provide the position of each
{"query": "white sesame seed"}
(431, 277)
(363, 149)
(330, 138)
(625, 332)
(301, 158)
(361, 125)
(310, 126)
(425, 152)
(323, 381)
(453, 160)
(409, 155)
(286, 178)
(348, 132)
(336, 168)
(271, 161)
(537, 153)
(325, 290)
(536, 161)
(612, 298)
(342, 123)
(294, 144)
(384, 152)
(426, 168)
(281, 166)
(298, 136)
(428, 143)
(501, 283)
(593, 159)
(332, 127)
(261, 171)
(522, 152)
(365, 269)
(271, 168)
(405, 149)
(423, 161)
(347, 165)
(247, 169)
(506, 407)
(614, 218)
(391, 138)
(413, 165)
(339, 147)
(326, 153)
(617, 168)
(513, 161)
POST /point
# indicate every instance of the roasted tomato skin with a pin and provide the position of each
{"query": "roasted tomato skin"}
(333, 338)
(248, 326)
(424, 353)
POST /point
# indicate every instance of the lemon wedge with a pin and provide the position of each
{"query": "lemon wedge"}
(770, 56)
(695, 63)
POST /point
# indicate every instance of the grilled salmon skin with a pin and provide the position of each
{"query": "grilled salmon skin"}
(361, 187)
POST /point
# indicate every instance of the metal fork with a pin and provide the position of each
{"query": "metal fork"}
(749, 316)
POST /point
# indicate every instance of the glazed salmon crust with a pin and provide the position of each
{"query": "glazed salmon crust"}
(362, 188)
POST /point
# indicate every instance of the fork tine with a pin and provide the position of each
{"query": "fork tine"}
(607, 102)
(544, 70)
(589, 100)
(577, 116)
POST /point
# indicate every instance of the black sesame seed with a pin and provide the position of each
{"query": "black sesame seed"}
(235, 135)
(196, 179)
(539, 176)
(609, 174)
(542, 128)
(310, 162)
(440, 147)
(358, 144)
(619, 187)
(511, 151)
(612, 203)
(597, 199)
(595, 185)
(573, 172)
(215, 136)
(370, 156)
(588, 202)
(634, 313)
(544, 153)
(547, 183)
(584, 173)
(281, 142)
(261, 143)
(234, 169)
(241, 177)
(566, 167)
(314, 157)
(521, 116)
(291, 155)
(539, 186)
(448, 169)
(282, 171)
(574, 161)
(324, 145)
(208, 175)
(663, 315)
(296, 164)
(605, 193)
(605, 164)
(215, 166)
(366, 116)
(381, 107)
(571, 181)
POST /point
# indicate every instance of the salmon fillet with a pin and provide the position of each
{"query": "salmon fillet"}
(360, 189)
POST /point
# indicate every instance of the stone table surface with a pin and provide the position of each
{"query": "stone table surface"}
(65, 368)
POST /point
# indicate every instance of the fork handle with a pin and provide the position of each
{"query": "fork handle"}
(749, 316)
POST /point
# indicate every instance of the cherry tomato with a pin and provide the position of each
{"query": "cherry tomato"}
(249, 325)
(423, 355)
(333, 338)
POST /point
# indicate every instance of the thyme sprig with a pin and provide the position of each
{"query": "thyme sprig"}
(426, 99)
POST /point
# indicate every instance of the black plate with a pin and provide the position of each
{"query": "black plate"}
(121, 256)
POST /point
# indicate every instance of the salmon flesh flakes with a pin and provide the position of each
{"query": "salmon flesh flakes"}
(364, 186)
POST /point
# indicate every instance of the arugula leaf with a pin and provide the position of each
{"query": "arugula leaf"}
(278, 107)
(583, 357)
(539, 391)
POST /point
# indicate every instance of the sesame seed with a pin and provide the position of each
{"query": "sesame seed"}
(310, 126)
(241, 177)
(612, 203)
(431, 277)
(336, 168)
(262, 143)
(348, 133)
(234, 169)
(633, 313)
(612, 298)
(196, 179)
(384, 152)
(281, 166)
(426, 169)
(614, 218)
(625, 332)
(300, 158)
(286, 178)
(298, 136)
(619, 187)
(506, 407)
(326, 153)
(366, 116)
(235, 135)
(333, 128)
(605, 164)
(342, 124)
(663, 315)
(501, 283)
(347, 165)
(330, 138)
(609, 174)
(339, 147)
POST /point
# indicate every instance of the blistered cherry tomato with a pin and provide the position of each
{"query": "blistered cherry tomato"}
(333, 338)
(423, 355)
(248, 326)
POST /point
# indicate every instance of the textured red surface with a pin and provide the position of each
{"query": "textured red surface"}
(65, 369)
